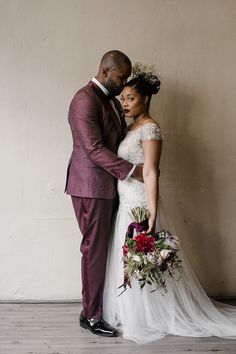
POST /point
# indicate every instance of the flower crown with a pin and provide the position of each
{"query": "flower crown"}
(147, 73)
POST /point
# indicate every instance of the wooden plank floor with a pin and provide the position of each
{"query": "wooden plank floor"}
(54, 329)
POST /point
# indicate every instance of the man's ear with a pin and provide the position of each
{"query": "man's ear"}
(105, 71)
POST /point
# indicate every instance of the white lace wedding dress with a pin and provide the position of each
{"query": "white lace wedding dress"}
(142, 316)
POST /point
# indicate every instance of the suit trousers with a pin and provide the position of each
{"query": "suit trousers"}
(94, 217)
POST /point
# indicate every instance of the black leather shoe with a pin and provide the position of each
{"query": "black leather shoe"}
(99, 327)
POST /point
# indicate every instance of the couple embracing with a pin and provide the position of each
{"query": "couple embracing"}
(114, 168)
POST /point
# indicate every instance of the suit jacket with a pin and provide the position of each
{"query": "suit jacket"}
(96, 131)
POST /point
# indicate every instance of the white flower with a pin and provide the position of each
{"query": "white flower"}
(165, 254)
(171, 240)
(159, 261)
(175, 244)
(151, 258)
(136, 258)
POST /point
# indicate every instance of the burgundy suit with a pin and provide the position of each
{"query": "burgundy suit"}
(91, 181)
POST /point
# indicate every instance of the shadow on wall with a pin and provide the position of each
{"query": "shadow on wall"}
(188, 196)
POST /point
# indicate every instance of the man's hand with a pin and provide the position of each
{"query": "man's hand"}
(138, 173)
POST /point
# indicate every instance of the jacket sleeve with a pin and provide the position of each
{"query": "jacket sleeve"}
(86, 129)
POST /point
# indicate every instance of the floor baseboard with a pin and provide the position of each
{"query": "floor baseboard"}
(29, 301)
(74, 301)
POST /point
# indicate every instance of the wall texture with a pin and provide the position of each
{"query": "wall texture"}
(50, 48)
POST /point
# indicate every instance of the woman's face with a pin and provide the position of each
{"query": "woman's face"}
(133, 103)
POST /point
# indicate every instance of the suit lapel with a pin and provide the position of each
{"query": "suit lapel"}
(122, 118)
(107, 105)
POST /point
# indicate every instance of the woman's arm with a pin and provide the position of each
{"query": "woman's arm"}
(152, 153)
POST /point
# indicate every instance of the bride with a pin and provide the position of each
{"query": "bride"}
(141, 315)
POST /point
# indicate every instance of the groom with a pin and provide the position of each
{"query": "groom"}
(98, 125)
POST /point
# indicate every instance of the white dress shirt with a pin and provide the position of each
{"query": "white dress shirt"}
(105, 90)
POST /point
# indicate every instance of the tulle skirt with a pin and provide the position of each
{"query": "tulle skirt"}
(144, 316)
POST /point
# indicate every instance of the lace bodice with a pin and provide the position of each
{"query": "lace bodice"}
(130, 148)
(132, 192)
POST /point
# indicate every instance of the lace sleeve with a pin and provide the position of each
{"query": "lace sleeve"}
(151, 131)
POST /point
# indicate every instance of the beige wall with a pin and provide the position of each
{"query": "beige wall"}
(49, 48)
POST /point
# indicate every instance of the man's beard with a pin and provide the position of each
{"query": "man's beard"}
(113, 88)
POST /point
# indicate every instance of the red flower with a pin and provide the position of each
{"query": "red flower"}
(125, 249)
(145, 243)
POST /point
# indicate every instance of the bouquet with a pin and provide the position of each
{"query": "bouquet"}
(149, 258)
